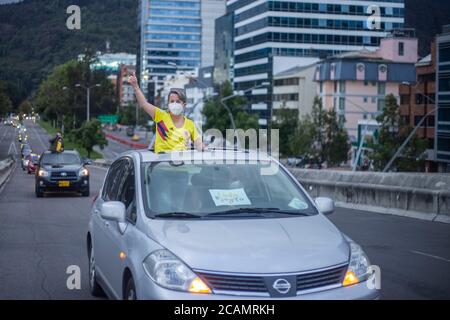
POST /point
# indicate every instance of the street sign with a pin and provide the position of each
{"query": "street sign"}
(108, 118)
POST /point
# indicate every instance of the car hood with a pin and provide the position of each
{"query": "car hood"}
(70, 167)
(253, 245)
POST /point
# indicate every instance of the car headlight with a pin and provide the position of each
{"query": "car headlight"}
(83, 172)
(170, 272)
(43, 173)
(358, 269)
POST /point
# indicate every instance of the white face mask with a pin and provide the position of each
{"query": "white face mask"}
(176, 108)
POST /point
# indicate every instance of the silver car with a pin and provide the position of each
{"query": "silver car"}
(219, 224)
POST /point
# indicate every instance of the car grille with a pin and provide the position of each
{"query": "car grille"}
(234, 283)
(56, 176)
(313, 280)
(308, 281)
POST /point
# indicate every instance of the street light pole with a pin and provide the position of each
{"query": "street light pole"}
(412, 134)
(88, 93)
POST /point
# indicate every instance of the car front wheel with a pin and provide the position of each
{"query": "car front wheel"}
(94, 286)
(39, 193)
(130, 290)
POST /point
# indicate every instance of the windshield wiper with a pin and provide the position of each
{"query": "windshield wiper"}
(257, 211)
(185, 215)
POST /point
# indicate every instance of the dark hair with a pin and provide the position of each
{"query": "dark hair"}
(179, 92)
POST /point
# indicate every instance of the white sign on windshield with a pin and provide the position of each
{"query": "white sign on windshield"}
(231, 197)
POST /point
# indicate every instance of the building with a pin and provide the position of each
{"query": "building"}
(124, 90)
(295, 89)
(417, 100)
(111, 62)
(223, 49)
(175, 35)
(355, 84)
(442, 136)
(266, 29)
(210, 11)
(197, 90)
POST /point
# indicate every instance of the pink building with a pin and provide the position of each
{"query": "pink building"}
(355, 84)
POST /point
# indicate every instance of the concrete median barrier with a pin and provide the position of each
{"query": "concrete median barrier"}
(6, 168)
(427, 194)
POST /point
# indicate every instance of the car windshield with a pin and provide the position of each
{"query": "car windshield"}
(199, 190)
(60, 159)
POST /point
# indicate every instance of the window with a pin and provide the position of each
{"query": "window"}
(127, 194)
(404, 99)
(112, 181)
(381, 88)
(381, 104)
(419, 99)
(366, 99)
(401, 48)
(341, 86)
(341, 103)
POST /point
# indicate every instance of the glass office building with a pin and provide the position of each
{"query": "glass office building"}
(266, 29)
(175, 35)
(442, 140)
(170, 38)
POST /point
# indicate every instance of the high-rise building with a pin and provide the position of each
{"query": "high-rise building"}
(442, 140)
(266, 30)
(418, 100)
(210, 11)
(175, 35)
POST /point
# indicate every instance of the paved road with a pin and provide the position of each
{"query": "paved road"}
(40, 238)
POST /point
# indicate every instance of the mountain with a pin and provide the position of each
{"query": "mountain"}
(34, 37)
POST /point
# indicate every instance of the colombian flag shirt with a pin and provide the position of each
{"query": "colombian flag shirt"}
(170, 138)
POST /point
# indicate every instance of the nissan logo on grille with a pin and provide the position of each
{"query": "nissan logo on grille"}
(63, 174)
(282, 286)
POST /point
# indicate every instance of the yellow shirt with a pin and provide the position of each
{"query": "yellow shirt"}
(170, 138)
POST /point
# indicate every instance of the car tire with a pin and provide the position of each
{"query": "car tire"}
(39, 193)
(130, 290)
(86, 193)
(94, 287)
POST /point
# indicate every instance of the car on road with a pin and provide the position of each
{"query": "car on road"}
(62, 172)
(217, 225)
(33, 162)
(25, 151)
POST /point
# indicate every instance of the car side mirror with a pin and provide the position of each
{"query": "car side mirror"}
(87, 161)
(113, 211)
(325, 205)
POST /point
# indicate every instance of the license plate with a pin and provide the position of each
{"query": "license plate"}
(64, 184)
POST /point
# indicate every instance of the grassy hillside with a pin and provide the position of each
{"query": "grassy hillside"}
(34, 37)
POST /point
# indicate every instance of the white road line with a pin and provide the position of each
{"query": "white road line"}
(430, 256)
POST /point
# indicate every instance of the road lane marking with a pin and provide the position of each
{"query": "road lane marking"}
(430, 255)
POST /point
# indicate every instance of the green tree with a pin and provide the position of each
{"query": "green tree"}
(316, 136)
(217, 116)
(337, 145)
(287, 122)
(25, 107)
(5, 102)
(392, 133)
(89, 135)
(59, 99)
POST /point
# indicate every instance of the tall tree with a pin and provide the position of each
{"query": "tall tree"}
(89, 135)
(5, 102)
(217, 116)
(286, 121)
(392, 133)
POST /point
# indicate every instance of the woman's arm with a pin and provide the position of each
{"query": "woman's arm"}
(198, 144)
(143, 103)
